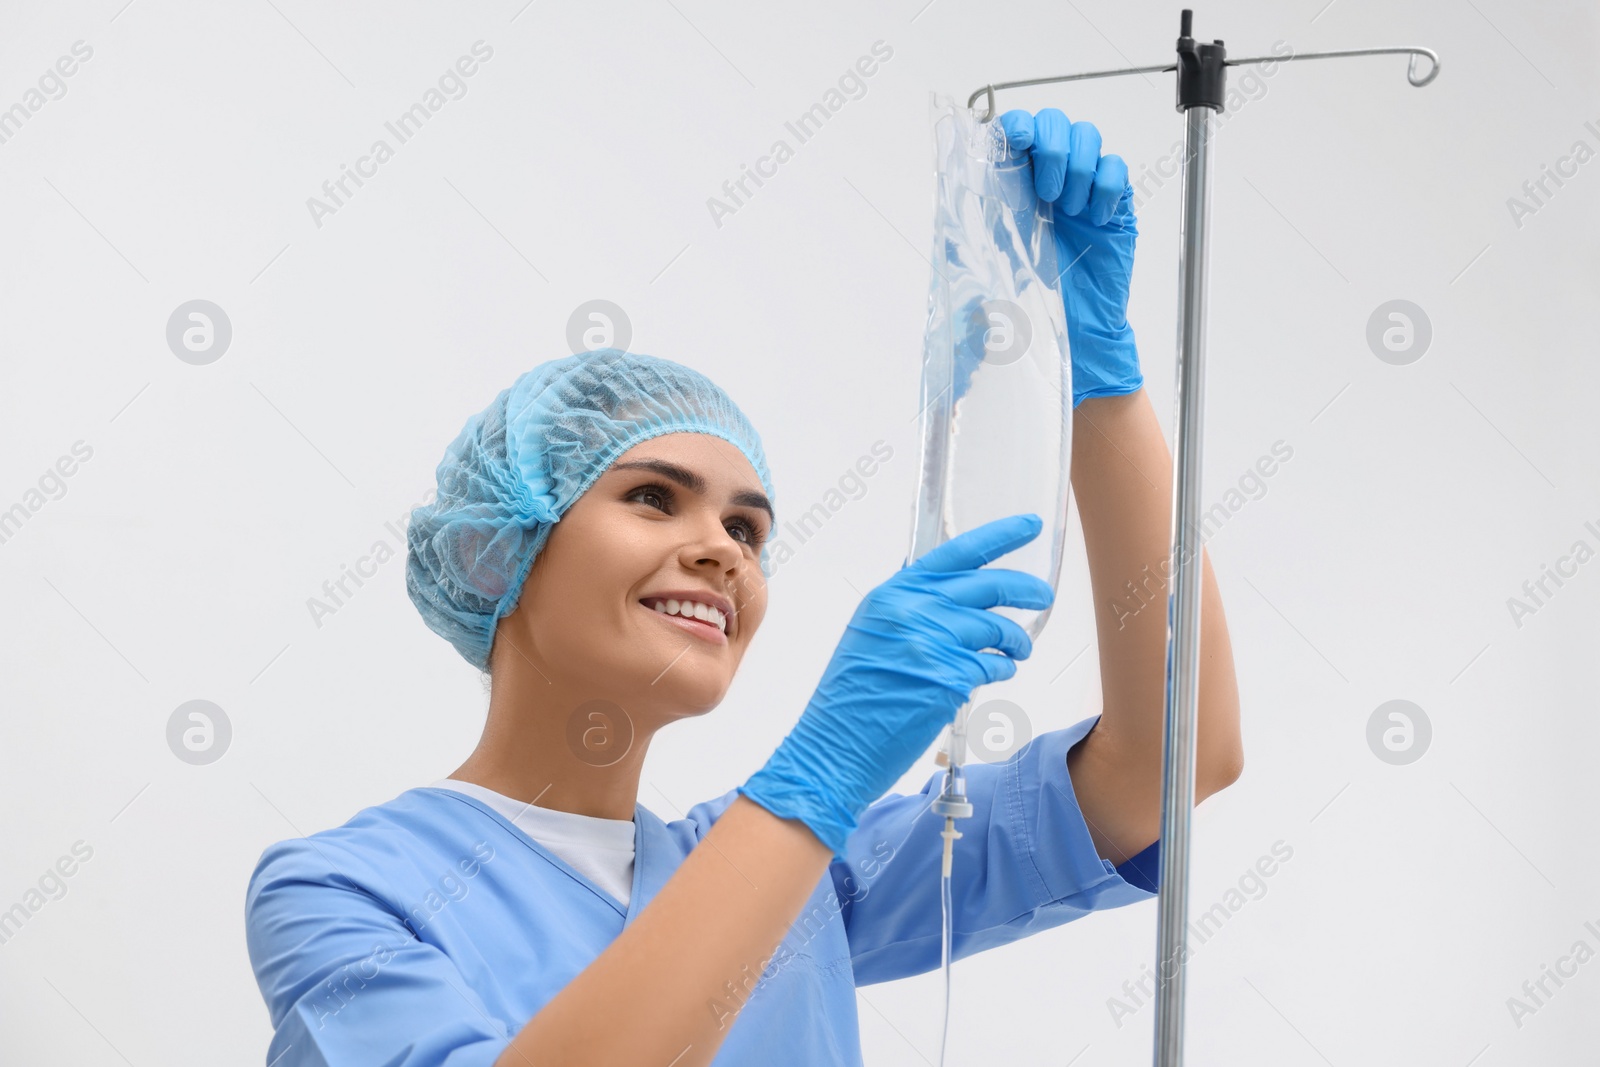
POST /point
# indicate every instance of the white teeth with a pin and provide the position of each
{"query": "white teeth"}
(693, 610)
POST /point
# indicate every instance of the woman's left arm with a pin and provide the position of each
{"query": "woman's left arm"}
(1122, 478)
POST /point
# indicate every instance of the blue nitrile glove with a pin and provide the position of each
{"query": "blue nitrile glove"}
(1091, 205)
(909, 658)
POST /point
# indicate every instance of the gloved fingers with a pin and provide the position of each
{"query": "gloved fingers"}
(1068, 169)
(1018, 127)
(988, 587)
(927, 626)
(981, 544)
(1052, 146)
(1111, 186)
(1083, 161)
(976, 629)
(995, 668)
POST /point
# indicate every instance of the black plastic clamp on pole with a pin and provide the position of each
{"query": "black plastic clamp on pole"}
(1202, 73)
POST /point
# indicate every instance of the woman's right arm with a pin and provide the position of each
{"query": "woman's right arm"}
(910, 657)
(648, 997)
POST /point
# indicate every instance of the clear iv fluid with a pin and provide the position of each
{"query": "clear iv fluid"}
(996, 378)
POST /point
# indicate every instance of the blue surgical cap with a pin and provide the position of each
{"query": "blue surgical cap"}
(519, 464)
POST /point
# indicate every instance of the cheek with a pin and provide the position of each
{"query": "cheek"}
(754, 611)
(584, 581)
(581, 629)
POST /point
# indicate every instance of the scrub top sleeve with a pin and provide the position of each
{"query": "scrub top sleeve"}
(1025, 862)
(345, 980)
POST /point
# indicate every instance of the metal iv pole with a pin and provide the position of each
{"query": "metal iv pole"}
(1201, 89)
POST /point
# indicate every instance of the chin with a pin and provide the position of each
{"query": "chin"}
(676, 694)
(697, 712)
(698, 700)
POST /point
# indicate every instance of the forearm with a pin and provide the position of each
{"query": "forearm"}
(1122, 479)
(648, 998)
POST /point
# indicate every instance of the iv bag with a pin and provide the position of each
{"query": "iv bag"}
(996, 372)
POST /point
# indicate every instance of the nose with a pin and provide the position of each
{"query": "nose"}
(712, 544)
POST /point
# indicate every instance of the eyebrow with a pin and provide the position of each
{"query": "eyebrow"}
(689, 479)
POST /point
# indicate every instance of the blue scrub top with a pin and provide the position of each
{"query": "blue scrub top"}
(429, 929)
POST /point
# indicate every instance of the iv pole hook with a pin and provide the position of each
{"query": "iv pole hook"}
(1415, 52)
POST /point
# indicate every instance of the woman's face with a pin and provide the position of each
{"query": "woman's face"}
(683, 513)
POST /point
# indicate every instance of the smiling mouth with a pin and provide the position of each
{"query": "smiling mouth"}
(706, 631)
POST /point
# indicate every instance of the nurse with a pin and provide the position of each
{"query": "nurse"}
(598, 547)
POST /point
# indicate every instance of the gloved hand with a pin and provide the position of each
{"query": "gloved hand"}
(1091, 204)
(909, 658)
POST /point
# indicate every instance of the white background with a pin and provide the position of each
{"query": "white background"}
(1377, 564)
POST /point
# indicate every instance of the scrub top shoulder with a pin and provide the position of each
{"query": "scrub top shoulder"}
(429, 929)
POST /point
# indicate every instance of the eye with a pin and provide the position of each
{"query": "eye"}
(659, 491)
(752, 533)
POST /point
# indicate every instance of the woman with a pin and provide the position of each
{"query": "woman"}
(597, 546)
